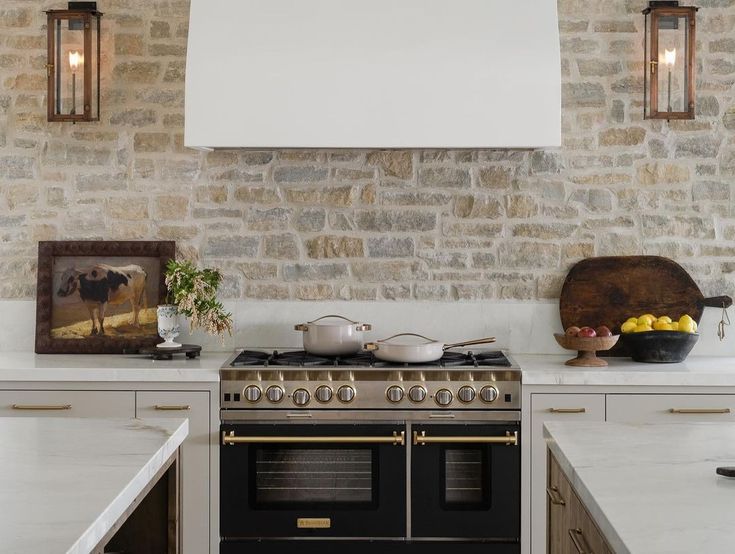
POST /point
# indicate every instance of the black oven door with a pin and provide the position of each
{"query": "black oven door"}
(466, 481)
(312, 480)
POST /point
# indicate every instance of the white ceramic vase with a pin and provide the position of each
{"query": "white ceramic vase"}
(168, 325)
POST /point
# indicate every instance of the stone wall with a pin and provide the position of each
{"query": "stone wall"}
(364, 225)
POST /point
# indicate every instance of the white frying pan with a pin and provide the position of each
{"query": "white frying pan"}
(405, 352)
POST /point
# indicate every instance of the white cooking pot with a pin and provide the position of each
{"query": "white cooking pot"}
(413, 353)
(336, 338)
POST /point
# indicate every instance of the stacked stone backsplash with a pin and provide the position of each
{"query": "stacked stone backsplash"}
(364, 225)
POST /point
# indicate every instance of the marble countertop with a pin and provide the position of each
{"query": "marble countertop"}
(702, 371)
(64, 482)
(652, 489)
(27, 366)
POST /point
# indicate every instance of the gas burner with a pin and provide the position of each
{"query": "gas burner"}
(491, 358)
(364, 359)
(250, 358)
(299, 358)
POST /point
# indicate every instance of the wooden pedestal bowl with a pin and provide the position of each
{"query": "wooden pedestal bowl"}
(587, 348)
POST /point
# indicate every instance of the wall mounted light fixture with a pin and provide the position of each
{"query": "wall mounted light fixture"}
(670, 44)
(73, 66)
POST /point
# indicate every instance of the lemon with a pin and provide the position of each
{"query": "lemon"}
(661, 326)
(646, 319)
(629, 326)
(632, 320)
(696, 326)
(674, 325)
(687, 324)
(642, 328)
(664, 319)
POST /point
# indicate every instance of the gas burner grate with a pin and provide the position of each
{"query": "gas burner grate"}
(300, 358)
(250, 358)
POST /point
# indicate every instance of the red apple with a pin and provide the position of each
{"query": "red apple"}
(572, 331)
(603, 331)
(587, 332)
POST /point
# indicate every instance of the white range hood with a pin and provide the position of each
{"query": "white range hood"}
(373, 74)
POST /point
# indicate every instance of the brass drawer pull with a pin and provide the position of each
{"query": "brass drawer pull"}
(579, 541)
(568, 410)
(398, 439)
(42, 406)
(508, 440)
(172, 408)
(699, 410)
(555, 496)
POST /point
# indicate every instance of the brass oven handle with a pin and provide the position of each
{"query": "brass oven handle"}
(579, 542)
(172, 408)
(42, 406)
(398, 439)
(567, 410)
(555, 496)
(699, 410)
(508, 440)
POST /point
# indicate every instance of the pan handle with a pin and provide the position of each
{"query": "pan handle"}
(486, 340)
(716, 302)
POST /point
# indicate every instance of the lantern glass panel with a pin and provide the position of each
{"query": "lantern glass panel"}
(673, 68)
(69, 65)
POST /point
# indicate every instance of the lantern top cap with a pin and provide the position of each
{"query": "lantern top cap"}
(668, 5)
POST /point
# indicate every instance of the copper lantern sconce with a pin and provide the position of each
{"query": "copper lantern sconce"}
(73, 66)
(669, 43)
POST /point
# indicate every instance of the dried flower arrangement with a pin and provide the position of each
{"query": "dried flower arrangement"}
(194, 292)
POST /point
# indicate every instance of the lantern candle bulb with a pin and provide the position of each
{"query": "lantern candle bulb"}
(670, 61)
(75, 59)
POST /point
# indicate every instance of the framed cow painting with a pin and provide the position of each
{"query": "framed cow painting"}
(99, 296)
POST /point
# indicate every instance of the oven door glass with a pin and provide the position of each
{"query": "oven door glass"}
(311, 480)
(465, 481)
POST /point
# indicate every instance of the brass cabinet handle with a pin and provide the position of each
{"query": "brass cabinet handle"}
(508, 440)
(579, 542)
(555, 496)
(398, 439)
(172, 408)
(42, 406)
(567, 410)
(699, 410)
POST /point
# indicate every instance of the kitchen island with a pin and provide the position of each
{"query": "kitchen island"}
(71, 486)
(648, 489)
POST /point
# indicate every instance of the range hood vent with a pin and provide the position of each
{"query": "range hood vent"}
(373, 74)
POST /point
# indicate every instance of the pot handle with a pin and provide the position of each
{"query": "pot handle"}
(486, 340)
(371, 346)
(408, 335)
(716, 302)
(360, 326)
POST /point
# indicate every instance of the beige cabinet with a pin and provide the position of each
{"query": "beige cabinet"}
(571, 528)
(670, 408)
(69, 403)
(553, 407)
(194, 458)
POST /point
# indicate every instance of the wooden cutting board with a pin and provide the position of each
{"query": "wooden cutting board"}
(609, 290)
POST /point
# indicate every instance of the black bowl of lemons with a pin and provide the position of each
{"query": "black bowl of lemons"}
(652, 339)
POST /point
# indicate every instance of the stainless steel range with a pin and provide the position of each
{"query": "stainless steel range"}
(360, 453)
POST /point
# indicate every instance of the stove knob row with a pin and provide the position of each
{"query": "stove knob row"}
(251, 393)
(394, 393)
(345, 394)
(443, 397)
(323, 394)
(417, 393)
(274, 393)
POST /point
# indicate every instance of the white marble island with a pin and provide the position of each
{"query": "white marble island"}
(652, 489)
(65, 483)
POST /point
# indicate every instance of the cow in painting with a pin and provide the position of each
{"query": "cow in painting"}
(101, 285)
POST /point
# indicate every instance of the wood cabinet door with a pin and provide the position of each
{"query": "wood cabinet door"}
(194, 458)
(67, 403)
(670, 408)
(558, 501)
(553, 407)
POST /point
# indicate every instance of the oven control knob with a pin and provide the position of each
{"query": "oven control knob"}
(346, 394)
(274, 393)
(251, 393)
(466, 394)
(323, 394)
(394, 393)
(417, 393)
(301, 397)
(488, 393)
(443, 397)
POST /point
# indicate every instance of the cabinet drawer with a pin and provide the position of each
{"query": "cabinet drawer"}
(553, 407)
(670, 408)
(193, 406)
(69, 403)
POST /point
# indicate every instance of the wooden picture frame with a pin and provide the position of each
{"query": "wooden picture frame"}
(81, 285)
